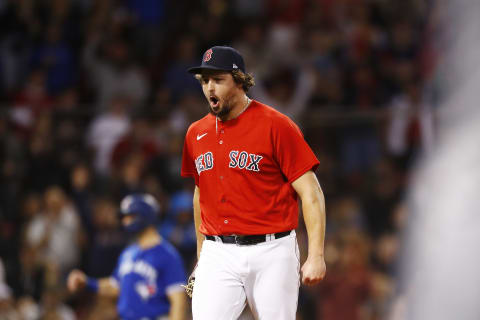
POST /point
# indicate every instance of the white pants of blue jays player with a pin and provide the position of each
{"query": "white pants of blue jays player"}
(264, 275)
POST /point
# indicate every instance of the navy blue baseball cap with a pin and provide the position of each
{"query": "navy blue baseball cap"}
(220, 58)
(144, 209)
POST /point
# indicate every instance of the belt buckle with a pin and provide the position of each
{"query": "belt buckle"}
(243, 240)
(246, 240)
(237, 240)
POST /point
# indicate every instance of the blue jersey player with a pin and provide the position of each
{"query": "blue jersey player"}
(149, 274)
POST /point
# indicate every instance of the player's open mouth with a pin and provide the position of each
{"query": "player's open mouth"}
(214, 102)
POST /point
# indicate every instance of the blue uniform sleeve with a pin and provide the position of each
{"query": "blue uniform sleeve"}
(174, 273)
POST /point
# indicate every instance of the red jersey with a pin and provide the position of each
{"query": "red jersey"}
(244, 168)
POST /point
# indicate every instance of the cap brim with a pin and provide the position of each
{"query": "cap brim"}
(198, 70)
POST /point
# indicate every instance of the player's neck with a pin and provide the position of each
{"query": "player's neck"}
(240, 104)
(149, 238)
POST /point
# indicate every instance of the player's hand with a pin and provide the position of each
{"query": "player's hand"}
(313, 270)
(76, 280)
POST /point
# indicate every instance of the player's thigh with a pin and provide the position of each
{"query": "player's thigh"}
(272, 292)
(218, 292)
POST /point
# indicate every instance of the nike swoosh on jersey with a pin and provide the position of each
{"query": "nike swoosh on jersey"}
(201, 136)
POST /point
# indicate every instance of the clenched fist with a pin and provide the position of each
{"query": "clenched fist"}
(76, 280)
(313, 270)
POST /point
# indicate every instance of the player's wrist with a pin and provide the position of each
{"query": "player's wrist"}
(315, 250)
(92, 284)
(316, 255)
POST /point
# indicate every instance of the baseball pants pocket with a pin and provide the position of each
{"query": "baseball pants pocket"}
(218, 293)
(273, 283)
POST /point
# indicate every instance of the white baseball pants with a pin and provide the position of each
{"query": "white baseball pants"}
(264, 275)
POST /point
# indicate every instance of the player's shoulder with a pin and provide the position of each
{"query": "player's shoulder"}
(271, 115)
(130, 251)
(166, 250)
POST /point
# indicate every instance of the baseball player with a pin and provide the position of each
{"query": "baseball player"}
(149, 276)
(250, 164)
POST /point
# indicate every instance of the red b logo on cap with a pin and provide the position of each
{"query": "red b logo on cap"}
(208, 55)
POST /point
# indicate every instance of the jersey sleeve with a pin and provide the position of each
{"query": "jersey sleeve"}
(174, 273)
(188, 162)
(291, 151)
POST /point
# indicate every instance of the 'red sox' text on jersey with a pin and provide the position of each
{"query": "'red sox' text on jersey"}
(244, 168)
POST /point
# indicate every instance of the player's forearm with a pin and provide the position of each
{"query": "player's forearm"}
(107, 287)
(178, 305)
(197, 219)
(313, 207)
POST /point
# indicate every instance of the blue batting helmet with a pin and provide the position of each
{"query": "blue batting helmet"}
(143, 207)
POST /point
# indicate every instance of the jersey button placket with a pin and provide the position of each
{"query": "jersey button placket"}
(221, 174)
(222, 132)
(221, 135)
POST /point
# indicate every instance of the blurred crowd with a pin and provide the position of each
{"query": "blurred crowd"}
(95, 101)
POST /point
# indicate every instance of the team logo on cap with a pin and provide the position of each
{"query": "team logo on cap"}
(208, 55)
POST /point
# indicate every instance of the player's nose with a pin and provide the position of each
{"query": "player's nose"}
(210, 86)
